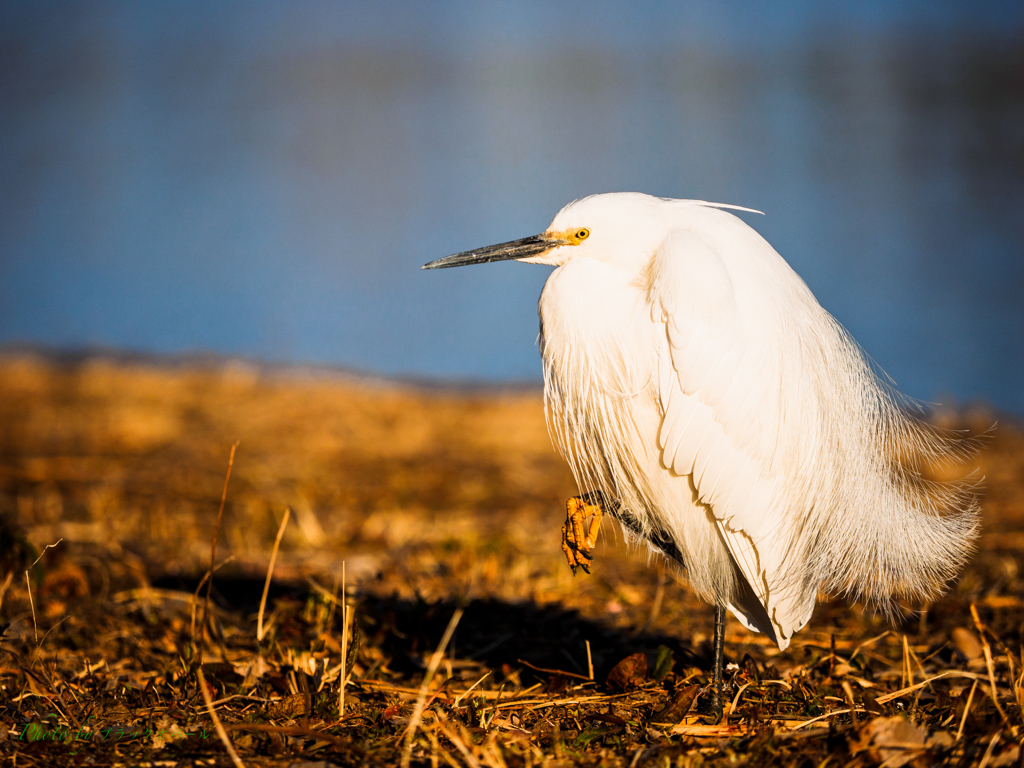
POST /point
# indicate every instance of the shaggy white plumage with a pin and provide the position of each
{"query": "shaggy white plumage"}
(691, 375)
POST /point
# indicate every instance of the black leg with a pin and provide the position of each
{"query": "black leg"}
(719, 668)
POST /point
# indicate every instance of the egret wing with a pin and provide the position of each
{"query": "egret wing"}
(720, 388)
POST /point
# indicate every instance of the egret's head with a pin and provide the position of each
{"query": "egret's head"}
(620, 227)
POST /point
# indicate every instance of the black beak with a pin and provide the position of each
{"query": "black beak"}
(516, 249)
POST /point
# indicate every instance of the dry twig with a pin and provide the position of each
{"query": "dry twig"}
(213, 544)
(28, 585)
(435, 660)
(216, 720)
(270, 573)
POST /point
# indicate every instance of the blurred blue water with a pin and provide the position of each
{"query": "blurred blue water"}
(264, 179)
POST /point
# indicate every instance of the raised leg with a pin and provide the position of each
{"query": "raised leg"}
(577, 541)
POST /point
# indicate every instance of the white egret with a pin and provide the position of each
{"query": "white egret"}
(704, 398)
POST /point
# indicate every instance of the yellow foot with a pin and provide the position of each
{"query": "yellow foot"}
(576, 545)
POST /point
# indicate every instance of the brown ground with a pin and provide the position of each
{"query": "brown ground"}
(432, 501)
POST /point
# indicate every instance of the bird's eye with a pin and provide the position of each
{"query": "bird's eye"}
(582, 234)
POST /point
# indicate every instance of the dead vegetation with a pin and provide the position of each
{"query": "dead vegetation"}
(430, 519)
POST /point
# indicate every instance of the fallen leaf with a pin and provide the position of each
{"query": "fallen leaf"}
(871, 705)
(890, 740)
(252, 670)
(631, 672)
(676, 710)
(663, 663)
(604, 717)
(288, 708)
(967, 643)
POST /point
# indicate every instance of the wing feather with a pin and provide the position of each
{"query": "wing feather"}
(717, 424)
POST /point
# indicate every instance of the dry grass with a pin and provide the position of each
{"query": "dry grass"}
(436, 502)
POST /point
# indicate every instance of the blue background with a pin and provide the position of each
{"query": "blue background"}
(265, 179)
